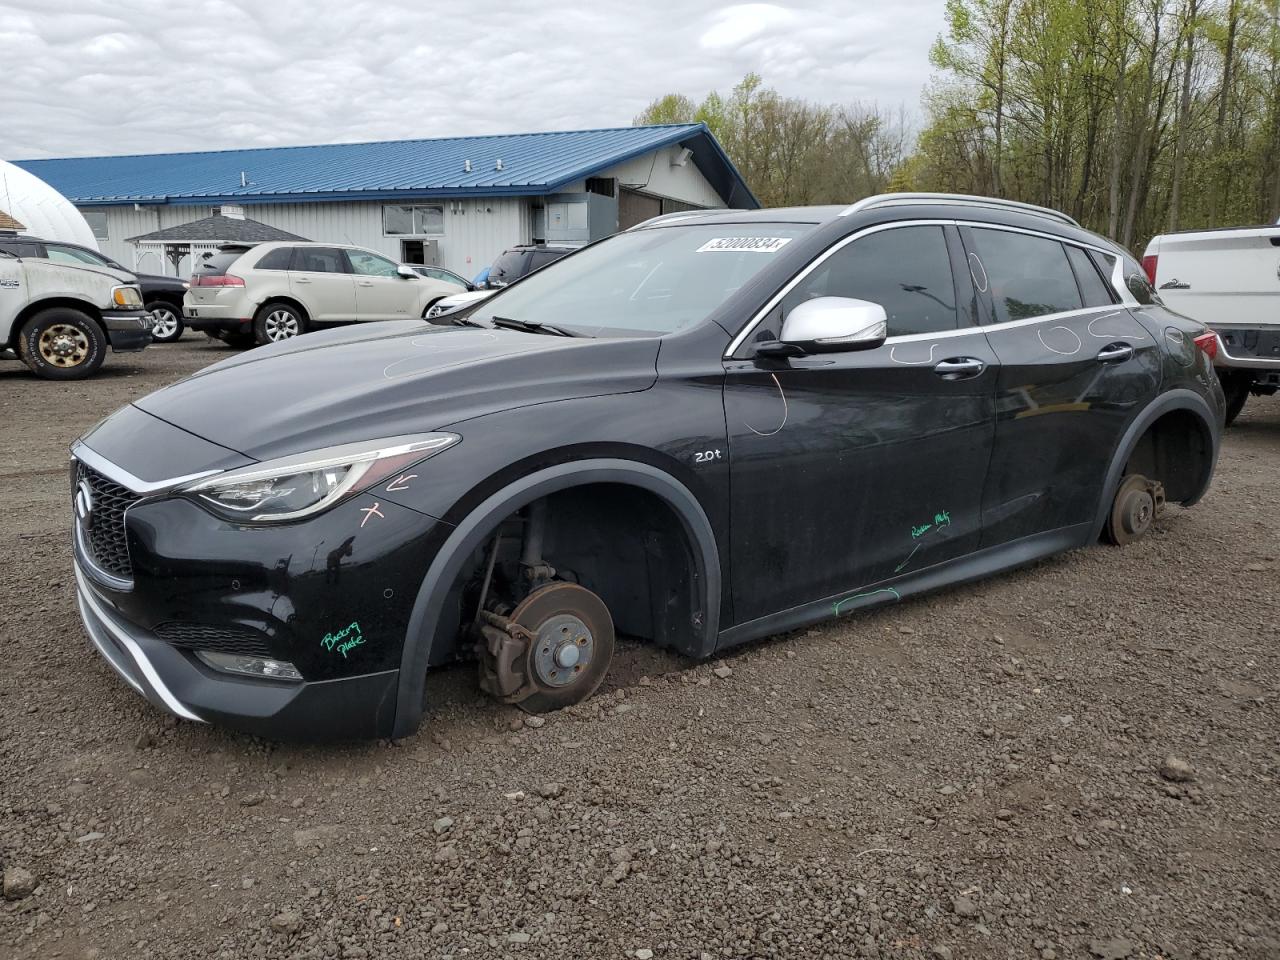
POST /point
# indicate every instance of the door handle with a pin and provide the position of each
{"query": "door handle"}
(1115, 353)
(301, 280)
(960, 368)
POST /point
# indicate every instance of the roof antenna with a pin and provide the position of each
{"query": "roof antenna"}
(466, 166)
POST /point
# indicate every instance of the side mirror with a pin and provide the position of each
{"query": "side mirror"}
(407, 272)
(829, 325)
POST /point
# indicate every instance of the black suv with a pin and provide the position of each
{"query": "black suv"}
(521, 261)
(701, 431)
(162, 295)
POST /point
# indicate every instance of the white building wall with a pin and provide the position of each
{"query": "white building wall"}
(654, 174)
(475, 231)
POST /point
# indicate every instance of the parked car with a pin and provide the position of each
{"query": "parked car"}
(440, 273)
(457, 302)
(520, 261)
(1230, 280)
(59, 319)
(161, 295)
(275, 291)
(698, 432)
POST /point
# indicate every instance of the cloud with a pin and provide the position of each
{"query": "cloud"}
(90, 77)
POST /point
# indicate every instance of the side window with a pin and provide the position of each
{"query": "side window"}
(368, 264)
(1096, 291)
(1136, 280)
(277, 259)
(320, 260)
(1027, 276)
(904, 269)
(63, 254)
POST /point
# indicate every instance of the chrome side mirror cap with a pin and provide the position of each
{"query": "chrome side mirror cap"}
(831, 325)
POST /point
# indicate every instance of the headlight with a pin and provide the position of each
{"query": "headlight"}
(126, 296)
(307, 483)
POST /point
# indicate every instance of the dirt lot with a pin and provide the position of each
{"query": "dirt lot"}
(975, 774)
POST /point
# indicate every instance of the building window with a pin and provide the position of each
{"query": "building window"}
(413, 221)
(97, 221)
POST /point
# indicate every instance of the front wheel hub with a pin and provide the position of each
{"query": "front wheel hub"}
(564, 648)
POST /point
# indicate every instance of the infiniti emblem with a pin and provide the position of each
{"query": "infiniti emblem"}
(84, 503)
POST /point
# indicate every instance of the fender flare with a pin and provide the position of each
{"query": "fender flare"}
(472, 531)
(1179, 399)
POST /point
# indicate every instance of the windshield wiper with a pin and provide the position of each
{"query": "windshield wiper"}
(464, 322)
(531, 326)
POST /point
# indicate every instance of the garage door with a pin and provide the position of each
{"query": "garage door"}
(636, 208)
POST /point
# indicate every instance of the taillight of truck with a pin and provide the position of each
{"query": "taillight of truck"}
(1149, 267)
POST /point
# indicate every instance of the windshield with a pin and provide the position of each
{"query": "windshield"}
(646, 283)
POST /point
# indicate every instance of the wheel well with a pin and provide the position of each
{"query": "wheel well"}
(623, 543)
(1177, 450)
(286, 300)
(32, 309)
(168, 299)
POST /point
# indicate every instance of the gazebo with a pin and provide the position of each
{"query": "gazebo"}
(199, 236)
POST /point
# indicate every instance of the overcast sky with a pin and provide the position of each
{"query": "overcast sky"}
(85, 77)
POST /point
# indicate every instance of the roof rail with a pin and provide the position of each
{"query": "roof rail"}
(959, 199)
(679, 215)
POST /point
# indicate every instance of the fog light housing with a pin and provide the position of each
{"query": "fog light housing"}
(249, 666)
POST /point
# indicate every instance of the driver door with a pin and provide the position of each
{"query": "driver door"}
(381, 293)
(853, 470)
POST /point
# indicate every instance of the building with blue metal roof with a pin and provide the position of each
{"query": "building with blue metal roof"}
(455, 201)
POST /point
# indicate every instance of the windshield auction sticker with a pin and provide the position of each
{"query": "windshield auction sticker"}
(744, 244)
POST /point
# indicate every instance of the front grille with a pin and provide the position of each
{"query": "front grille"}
(104, 533)
(201, 636)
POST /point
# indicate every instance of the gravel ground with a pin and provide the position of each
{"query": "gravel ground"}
(1076, 760)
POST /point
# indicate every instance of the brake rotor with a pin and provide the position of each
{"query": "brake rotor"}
(570, 646)
(1134, 509)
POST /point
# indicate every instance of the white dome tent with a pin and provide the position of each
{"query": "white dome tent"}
(42, 210)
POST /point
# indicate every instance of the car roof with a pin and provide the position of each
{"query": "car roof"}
(898, 206)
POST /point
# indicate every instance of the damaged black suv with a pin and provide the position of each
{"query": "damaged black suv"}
(715, 426)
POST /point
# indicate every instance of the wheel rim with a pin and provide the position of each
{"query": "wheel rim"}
(64, 345)
(166, 323)
(565, 647)
(281, 325)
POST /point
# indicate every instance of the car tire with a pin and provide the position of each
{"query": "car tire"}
(564, 619)
(62, 343)
(169, 325)
(1236, 387)
(278, 321)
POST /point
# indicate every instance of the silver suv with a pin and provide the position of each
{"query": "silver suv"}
(274, 291)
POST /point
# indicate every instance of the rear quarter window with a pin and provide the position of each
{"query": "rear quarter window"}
(278, 259)
(1028, 276)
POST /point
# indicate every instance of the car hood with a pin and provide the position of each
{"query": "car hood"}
(381, 380)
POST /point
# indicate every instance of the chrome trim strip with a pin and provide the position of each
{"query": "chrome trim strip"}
(122, 637)
(90, 627)
(956, 199)
(1113, 310)
(96, 461)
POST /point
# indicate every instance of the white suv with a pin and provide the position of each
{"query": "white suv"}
(274, 291)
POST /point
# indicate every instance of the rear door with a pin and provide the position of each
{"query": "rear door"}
(320, 280)
(853, 469)
(381, 293)
(1075, 368)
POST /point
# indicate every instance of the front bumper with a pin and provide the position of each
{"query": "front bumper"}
(128, 330)
(358, 707)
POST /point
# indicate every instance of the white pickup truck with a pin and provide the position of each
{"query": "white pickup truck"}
(1229, 280)
(59, 319)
